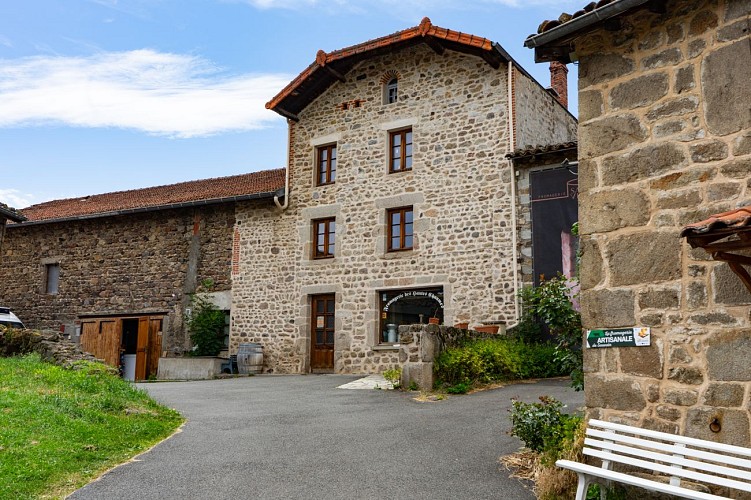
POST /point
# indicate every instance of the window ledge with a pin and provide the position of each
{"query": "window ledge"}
(387, 347)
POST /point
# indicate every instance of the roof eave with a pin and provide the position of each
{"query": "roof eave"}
(547, 44)
(130, 211)
(11, 215)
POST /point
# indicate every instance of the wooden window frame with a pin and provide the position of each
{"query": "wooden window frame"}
(392, 84)
(324, 170)
(402, 134)
(329, 238)
(403, 234)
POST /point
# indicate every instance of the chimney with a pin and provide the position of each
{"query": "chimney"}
(559, 82)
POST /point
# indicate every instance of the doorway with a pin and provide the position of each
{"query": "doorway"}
(322, 333)
(132, 344)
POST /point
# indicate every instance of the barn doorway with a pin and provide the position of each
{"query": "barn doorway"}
(130, 343)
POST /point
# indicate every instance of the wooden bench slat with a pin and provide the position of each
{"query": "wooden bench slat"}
(636, 481)
(668, 470)
(699, 443)
(671, 459)
(670, 448)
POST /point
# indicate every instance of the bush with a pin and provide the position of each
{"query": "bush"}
(491, 360)
(542, 426)
(206, 327)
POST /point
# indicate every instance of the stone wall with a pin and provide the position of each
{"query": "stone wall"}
(665, 140)
(540, 118)
(130, 264)
(459, 187)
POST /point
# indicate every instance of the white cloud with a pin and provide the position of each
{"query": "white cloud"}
(5, 41)
(15, 198)
(159, 93)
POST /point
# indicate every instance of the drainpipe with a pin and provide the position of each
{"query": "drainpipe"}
(512, 142)
(284, 206)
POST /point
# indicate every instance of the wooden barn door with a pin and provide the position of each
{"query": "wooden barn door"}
(155, 346)
(102, 338)
(322, 333)
(142, 348)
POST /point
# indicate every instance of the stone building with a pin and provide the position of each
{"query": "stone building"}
(664, 141)
(400, 205)
(8, 214)
(114, 271)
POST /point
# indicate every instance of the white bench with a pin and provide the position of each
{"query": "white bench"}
(675, 456)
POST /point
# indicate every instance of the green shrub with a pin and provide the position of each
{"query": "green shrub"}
(460, 388)
(394, 376)
(543, 426)
(491, 360)
(206, 327)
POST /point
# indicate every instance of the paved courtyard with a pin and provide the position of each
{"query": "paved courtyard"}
(302, 437)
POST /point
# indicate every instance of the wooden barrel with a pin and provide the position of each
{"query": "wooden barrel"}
(250, 358)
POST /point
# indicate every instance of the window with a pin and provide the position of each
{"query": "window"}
(400, 145)
(324, 236)
(408, 307)
(52, 278)
(326, 165)
(391, 91)
(400, 223)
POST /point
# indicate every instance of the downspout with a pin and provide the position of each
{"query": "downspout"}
(512, 143)
(284, 206)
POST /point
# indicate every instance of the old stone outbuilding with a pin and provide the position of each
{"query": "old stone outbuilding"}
(8, 214)
(115, 271)
(664, 142)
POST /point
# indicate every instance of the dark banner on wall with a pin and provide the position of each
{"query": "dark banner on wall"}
(554, 196)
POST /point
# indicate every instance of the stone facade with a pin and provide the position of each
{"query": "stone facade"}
(143, 263)
(460, 188)
(665, 129)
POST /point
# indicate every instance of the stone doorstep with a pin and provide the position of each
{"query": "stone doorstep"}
(370, 382)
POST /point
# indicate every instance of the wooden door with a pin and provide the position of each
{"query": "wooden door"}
(322, 333)
(102, 339)
(155, 346)
(142, 348)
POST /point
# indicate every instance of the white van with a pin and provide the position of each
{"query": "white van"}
(7, 318)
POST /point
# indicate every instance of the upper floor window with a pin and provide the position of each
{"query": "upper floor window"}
(400, 229)
(325, 165)
(52, 278)
(324, 235)
(400, 146)
(392, 88)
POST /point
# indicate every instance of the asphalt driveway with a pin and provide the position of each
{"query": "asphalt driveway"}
(299, 437)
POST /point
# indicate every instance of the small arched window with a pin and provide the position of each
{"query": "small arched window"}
(391, 91)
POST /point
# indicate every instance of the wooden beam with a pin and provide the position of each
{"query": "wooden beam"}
(335, 73)
(729, 257)
(728, 245)
(287, 114)
(434, 44)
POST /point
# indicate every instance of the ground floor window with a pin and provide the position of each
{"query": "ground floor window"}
(408, 307)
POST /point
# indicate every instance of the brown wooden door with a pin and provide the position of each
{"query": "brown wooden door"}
(102, 339)
(322, 333)
(155, 346)
(142, 348)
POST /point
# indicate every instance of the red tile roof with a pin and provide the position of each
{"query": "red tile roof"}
(726, 222)
(542, 149)
(423, 30)
(256, 184)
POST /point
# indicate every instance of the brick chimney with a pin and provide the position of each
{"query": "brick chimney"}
(559, 81)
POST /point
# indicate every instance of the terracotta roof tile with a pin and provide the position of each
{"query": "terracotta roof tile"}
(425, 28)
(256, 183)
(735, 219)
(566, 17)
(541, 149)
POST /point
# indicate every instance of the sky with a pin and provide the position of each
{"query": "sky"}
(99, 96)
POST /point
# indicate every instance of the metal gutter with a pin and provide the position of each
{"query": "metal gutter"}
(603, 13)
(130, 211)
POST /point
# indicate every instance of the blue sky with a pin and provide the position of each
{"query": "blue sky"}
(109, 95)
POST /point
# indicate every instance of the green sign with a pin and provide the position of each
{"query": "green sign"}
(619, 337)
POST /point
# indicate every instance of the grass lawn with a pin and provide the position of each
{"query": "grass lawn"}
(61, 428)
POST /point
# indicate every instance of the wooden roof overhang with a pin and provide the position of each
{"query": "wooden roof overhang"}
(722, 235)
(332, 67)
